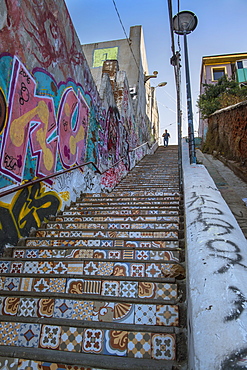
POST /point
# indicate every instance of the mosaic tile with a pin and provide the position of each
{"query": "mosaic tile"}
(153, 270)
(119, 243)
(4, 267)
(124, 312)
(50, 336)
(29, 335)
(145, 314)
(52, 366)
(28, 307)
(57, 285)
(116, 255)
(26, 284)
(116, 342)
(139, 345)
(145, 245)
(7, 363)
(45, 267)
(163, 347)
(146, 289)
(12, 284)
(128, 254)
(100, 254)
(32, 253)
(131, 244)
(60, 268)
(93, 341)
(19, 253)
(82, 310)
(29, 365)
(105, 268)
(41, 284)
(2, 281)
(75, 268)
(63, 308)
(1, 304)
(58, 253)
(137, 269)
(9, 333)
(92, 287)
(128, 289)
(31, 267)
(45, 307)
(142, 255)
(103, 311)
(10, 306)
(167, 315)
(121, 269)
(166, 291)
(93, 243)
(45, 253)
(157, 255)
(86, 253)
(90, 268)
(110, 288)
(71, 339)
(106, 243)
(173, 270)
(171, 256)
(74, 286)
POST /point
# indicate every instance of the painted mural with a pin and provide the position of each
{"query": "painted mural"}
(52, 118)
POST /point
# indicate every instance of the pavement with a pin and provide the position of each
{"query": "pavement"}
(232, 188)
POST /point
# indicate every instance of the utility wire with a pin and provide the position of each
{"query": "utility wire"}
(127, 38)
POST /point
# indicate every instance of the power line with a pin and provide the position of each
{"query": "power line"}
(127, 38)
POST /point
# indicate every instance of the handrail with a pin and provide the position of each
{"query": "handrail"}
(32, 182)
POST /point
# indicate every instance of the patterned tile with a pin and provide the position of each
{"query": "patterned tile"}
(128, 289)
(115, 255)
(86, 253)
(110, 288)
(107, 243)
(4, 267)
(100, 254)
(12, 284)
(19, 253)
(45, 267)
(142, 255)
(52, 366)
(45, 307)
(105, 268)
(166, 291)
(137, 269)
(58, 253)
(7, 363)
(32, 253)
(75, 268)
(9, 333)
(116, 342)
(124, 312)
(103, 311)
(60, 268)
(75, 286)
(2, 281)
(29, 335)
(31, 267)
(139, 345)
(50, 336)
(145, 314)
(71, 339)
(153, 270)
(167, 315)
(163, 347)
(10, 306)
(93, 341)
(146, 289)
(128, 254)
(90, 268)
(28, 307)
(26, 284)
(92, 287)
(41, 284)
(121, 269)
(45, 253)
(16, 267)
(57, 285)
(157, 255)
(63, 308)
(82, 310)
(29, 364)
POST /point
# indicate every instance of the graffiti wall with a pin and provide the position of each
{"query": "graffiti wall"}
(52, 118)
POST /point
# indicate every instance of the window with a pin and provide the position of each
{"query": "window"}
(218, 73)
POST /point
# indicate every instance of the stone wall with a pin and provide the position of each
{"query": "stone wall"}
(227, 132)
(53, 118)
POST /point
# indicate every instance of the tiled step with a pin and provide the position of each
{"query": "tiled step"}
(101, 225)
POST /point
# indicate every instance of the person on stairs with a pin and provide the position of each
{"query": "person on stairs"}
(166, 137)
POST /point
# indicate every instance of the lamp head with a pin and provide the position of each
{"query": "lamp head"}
(184, 22)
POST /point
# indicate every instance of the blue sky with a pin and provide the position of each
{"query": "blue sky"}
(221, 29)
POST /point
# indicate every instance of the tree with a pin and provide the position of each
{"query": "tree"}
(220, 95)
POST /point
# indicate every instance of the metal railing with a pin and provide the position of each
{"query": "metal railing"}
(32, 182)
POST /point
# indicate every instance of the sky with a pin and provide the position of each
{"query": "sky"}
(221, 29)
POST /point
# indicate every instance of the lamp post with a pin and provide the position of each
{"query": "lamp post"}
(184, 23)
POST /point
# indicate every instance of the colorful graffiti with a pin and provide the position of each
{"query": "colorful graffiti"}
(28, 209)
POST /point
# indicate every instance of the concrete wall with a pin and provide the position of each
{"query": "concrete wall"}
(227, 132)
(52, 117)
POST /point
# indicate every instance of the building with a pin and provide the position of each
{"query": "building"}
(216, 66)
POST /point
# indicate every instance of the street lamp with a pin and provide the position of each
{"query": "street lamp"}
(184, 23)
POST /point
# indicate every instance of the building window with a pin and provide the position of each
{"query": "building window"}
(218, 73)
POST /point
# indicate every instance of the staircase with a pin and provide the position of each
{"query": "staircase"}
(102, 285)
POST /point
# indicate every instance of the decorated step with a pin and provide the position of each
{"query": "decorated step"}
(133, 344)
(116, 218)
(89, 310)
(117, 193)
(120, 211)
